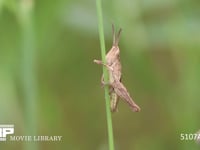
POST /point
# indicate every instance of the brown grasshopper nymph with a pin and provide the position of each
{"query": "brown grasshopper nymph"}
(113, 61)
(113, 64)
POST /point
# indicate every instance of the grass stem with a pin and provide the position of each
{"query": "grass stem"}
(28, 71)
(105, 73)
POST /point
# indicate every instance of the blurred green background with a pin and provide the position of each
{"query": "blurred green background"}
(49, 84)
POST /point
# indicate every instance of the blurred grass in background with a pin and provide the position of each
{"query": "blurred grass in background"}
(160, 57)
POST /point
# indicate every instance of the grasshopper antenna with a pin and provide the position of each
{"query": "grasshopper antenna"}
(116, 38)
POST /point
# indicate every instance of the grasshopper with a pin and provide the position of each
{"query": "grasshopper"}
(116, 88)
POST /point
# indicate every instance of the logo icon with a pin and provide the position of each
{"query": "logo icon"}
(5, 130)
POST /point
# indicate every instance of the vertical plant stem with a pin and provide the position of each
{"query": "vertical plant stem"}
(105, 73)
(28, 72)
